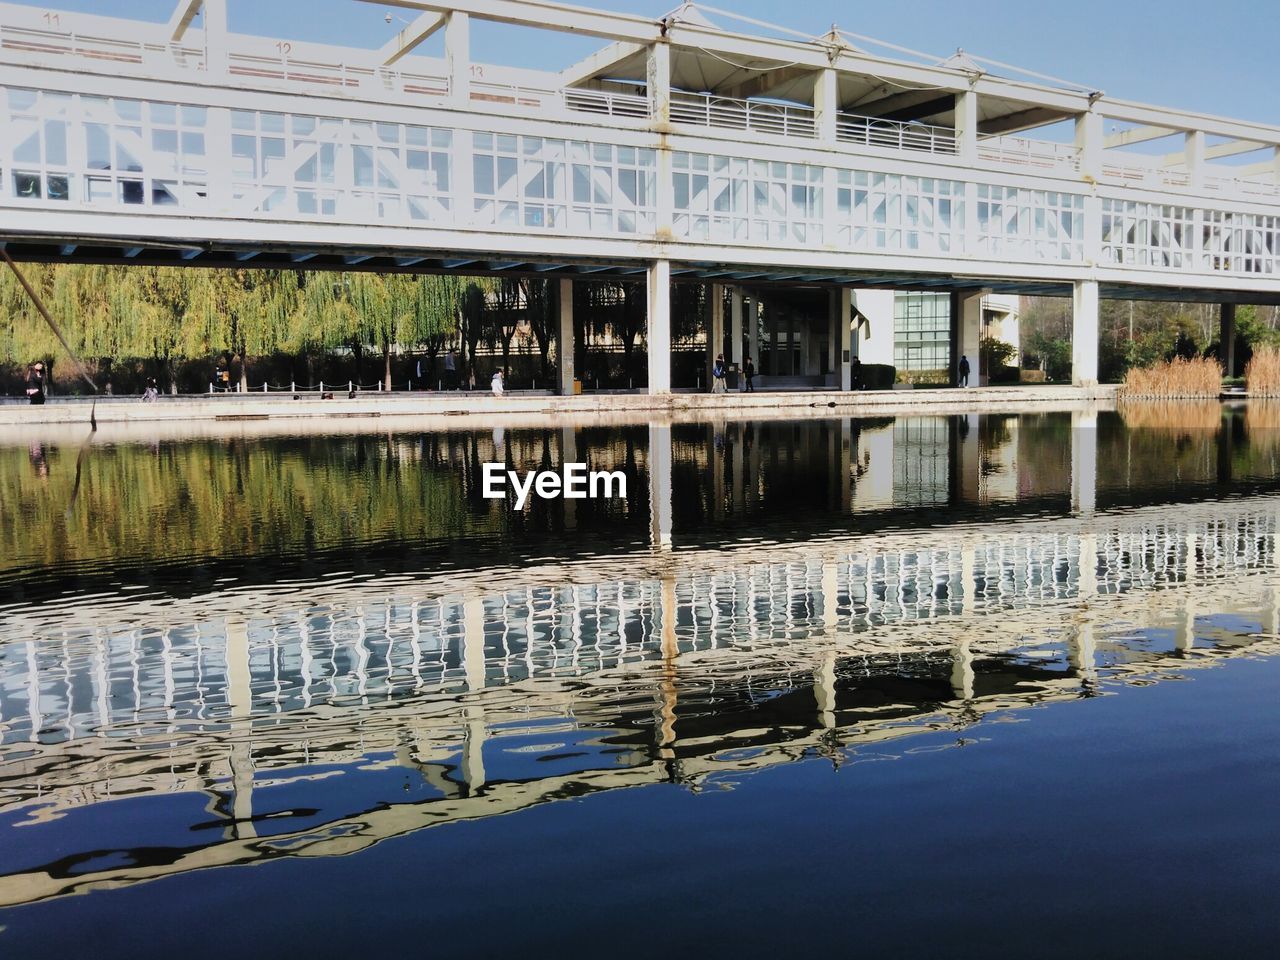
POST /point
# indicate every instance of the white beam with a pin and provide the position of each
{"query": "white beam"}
(1232, 148)
(597, 63)
(408, 39)
(1125, 138)
(543, 14)
(183, 14)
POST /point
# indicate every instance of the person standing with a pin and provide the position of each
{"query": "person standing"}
(749, 376)
(718, 374)
(152, 393)
(963, 379)
(451, 370)
(496, 383)
(855, 374)
(35, 384)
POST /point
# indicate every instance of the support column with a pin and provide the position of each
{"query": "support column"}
(966, 335)
(1089, 141)
(735, 329)
(658, 84)
(215, 35)
(791, 341)
(564, 337)
(1084, 334)
(658, 326)
(660, 486)
(1193, 152)
(1084, 462)
(1227, 338)
(967, 127)
(715, 327)
(826, 104)
(841, 337)
(457, 56)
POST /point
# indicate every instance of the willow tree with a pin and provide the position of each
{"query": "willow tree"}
(426, 313)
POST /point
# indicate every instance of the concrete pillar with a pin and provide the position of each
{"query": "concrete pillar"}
(751, 315)
(874, 342)
(841, 336)
(658, 327)
(215, 35)
(789, 350)
(658, 83)
(966, 335)
(715, 326)
(1084, 462)
(1089, 141)
(735, 328)
(826, 104)
(1193, 154)
(564, 337)
(1227, 338)
(660, 486)
(1084, 333)
(457, 56)
(967, 126)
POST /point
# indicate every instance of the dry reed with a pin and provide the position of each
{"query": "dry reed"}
(1174, 379)
(1176, 419)
(1262, 375)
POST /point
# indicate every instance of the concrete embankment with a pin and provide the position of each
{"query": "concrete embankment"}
(531, 408)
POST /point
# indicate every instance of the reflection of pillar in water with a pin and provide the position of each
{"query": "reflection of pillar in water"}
(665, 713)
(737, 463)
(824, 690)
(1082, 651)
(967, 458)
(968, 579)
(1087, 586)
(240, 703)
(874, 489)
(1000, 479)
(473, 667)
(660, 486)
(845, 466)
(1184, 631)
(962, 670)
(716, 455)
(569, 454)
(830, 596)
(1270, 611)
(1084, 461)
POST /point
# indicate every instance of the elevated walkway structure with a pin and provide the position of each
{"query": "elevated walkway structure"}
(681, 150)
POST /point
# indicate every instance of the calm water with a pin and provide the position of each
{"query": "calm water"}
(924, 686)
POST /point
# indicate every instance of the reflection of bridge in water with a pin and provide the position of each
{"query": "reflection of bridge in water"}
(494, 691)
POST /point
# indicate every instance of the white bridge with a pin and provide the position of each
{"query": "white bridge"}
(680, 148)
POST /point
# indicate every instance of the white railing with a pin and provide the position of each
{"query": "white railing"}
(1041, 154)
(730, 113)
(1145, 175)
(894, 135)
(609, 104)
(514, 95)
(59, 43)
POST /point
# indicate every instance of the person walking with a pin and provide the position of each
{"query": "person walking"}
(496, 383)
(451, 370)
(963, 370)
(855, 374)
(718, 374)
(749, 376)
(35, 384)
(152, 393)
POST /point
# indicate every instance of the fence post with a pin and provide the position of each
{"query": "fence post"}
(322, 386)
(264, 386)
(211, 389)
(350, 388)
(293, 386)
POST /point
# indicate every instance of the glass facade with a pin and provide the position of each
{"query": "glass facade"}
(922, 331)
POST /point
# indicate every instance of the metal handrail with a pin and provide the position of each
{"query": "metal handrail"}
(731, 113)
(895, 134)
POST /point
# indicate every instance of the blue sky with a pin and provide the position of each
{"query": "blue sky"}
(1215, 58)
